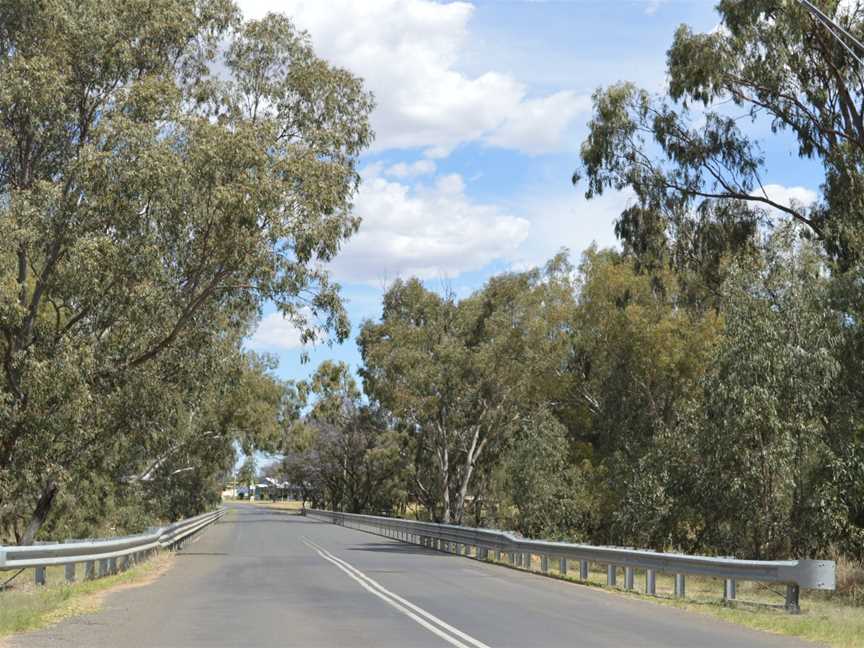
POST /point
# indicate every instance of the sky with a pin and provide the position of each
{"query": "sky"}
(481, 108)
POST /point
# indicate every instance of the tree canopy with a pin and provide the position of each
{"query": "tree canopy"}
(165, 168)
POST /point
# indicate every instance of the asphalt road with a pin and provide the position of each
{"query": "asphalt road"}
(268, 578)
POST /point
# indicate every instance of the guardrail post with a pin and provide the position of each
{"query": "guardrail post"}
(526, 561)
(562, 566)
(729, 589)
(70, 572)
(40, 575)
(104, 567)
(793, 592)
(89, 570)
(544, 564)
(628, 578)
(112, 565)
(650, 582)
(611, 575)
(583, 570)
(679, 586)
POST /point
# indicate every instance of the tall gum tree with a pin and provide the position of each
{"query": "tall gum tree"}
(165, 168)
(697, 176)
(458, 376)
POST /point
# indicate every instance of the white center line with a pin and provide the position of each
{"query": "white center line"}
(426, 619)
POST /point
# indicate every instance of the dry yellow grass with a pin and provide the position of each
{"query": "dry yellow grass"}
(27, 606)
(291, 505)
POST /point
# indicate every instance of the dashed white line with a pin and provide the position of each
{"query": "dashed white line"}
(426, 619)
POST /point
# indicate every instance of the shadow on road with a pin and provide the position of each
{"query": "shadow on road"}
(252, 519)
(389, 547)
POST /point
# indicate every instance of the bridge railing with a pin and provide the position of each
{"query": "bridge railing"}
(486, 544)
(110, 555)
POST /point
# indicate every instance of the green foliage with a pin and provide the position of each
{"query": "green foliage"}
(781, 64)
(247, 474)
(456, 376)
(550, 488)
(342, 452)
(760, 452)
(765, 397)
(149, 208)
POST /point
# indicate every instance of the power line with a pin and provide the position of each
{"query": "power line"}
(834, 28)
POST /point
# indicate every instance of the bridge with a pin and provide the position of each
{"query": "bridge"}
(263, 577)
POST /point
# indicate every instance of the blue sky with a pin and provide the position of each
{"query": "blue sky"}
(481, 110)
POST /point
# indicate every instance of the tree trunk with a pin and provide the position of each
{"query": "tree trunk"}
(445, 481)
(43, 507)
(470, 462)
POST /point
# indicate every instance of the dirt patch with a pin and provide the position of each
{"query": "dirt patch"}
(92, 601)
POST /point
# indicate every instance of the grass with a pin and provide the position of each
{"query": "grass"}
(288, 505)
(828, 618)
(27, 606)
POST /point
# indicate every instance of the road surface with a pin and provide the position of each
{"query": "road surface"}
(269, 578)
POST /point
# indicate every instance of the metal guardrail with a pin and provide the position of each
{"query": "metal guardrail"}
(794, 574)
(104, 552)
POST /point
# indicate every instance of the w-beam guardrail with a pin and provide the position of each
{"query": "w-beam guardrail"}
(103, 552)
(483, 543)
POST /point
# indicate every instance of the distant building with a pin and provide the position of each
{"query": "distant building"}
(274, 489)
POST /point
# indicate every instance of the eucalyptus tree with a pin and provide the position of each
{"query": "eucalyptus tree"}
(552, 488)
(164, 169)
(770, 487)
(457, 376)
(638, 356)
(698, 177)
(343, 450)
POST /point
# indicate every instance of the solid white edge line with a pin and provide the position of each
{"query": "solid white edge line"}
(431, 628)
(477, 643)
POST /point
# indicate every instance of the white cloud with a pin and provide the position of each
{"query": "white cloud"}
(566, 219)
(653, 5)
(275, 332)
(556, 112)
(411, 170)
(795, 197)
(426, 231)
(408, 52)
